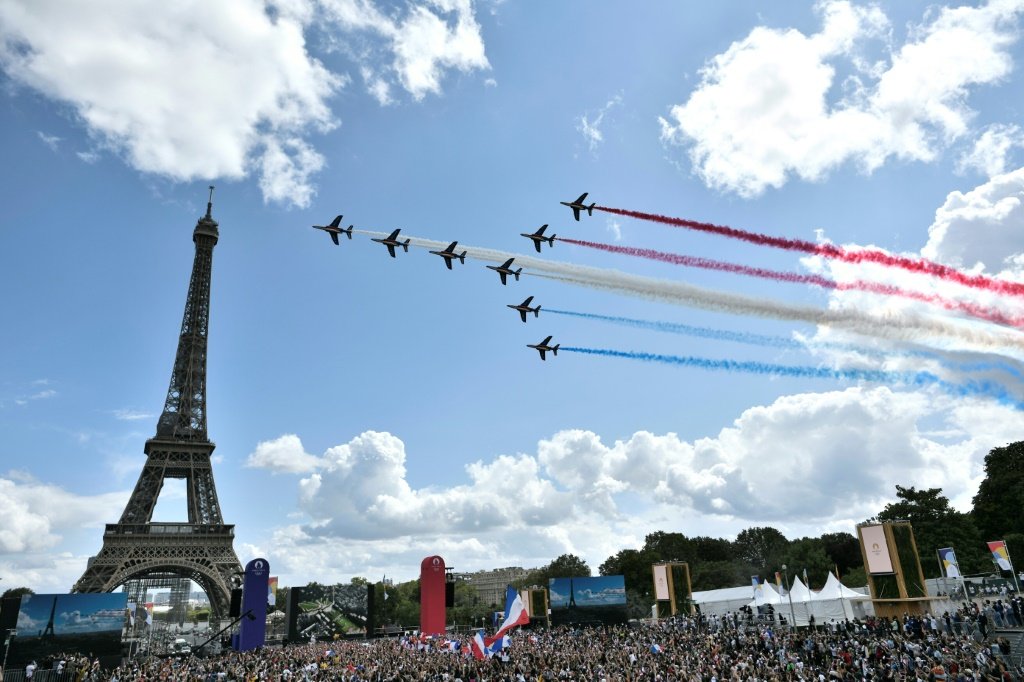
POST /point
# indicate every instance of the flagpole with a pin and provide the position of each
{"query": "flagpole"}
(1016, 586)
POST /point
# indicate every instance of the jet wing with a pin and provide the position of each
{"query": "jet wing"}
(502, 275)
(448, 262)
(391, 249)
(582, 197)
(394, 235)
(336, 222)
(522, 314)
(541, 350)
(576, 212)
(536, 245)
(334, 238)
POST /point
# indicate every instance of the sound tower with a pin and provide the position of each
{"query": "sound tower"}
(371, 614)
(291, 613)
(449, 594)
(9, 615)
(235, 609)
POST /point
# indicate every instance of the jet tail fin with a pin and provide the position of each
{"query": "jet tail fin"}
(516, 273)
(536, 312)
(405, 245)
(349, 231)
(554, 350)
(462, 258)
(590, 209)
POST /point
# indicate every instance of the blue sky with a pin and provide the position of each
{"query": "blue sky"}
(370, 411)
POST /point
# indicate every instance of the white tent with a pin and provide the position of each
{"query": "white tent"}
(724, 600)
(834, 601)
(765, 594)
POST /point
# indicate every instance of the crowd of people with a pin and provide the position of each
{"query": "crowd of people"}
(947, 648)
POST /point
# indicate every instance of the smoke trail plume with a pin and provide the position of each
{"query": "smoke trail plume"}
(917, 265)
(769, 341)
(898, 326)
(972, 389)
(973, 309)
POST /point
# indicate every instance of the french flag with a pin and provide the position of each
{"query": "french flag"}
(495, 645)
(515, 612)
(477, 646)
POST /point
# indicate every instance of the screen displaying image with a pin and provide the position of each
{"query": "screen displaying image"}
(327, 611)
(600, 599)
(85, 623)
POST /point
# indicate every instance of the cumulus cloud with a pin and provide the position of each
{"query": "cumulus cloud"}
(991, 150)
(805, 463)
(765, 109)
(37, 514)
(421, 44)
(283, 455)
(982, 228)
(210, 90)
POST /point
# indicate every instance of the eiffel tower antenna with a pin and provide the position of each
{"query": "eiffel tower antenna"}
(201, 548)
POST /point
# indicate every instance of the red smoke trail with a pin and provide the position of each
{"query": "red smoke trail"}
(972, 309)
(918, 265)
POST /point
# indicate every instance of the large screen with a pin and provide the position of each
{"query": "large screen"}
(327, 611)
(73, 623)
(601, 599)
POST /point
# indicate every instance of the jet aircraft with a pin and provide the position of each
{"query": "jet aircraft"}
(505, 269)
(538, 237)
(449, 253)
(578, 206)
(543, 346)
(524, 308)
(334, 229)
(393, 241)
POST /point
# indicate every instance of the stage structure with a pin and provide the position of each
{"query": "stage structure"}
(665, 575)
(894, 568)
(433, 595)
(201, 548)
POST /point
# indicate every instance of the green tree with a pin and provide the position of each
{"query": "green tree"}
(999, 503)
(635, 568)
(714, 575)
(808, 554)
(937, 525)
(761, 547)
(17, 592)
(843, 550)
(855, 577)
(712, 549)
(662, 546)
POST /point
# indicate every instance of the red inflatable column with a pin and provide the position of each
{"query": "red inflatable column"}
(432, 613)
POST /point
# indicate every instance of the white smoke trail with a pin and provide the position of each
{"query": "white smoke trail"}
(898, 326)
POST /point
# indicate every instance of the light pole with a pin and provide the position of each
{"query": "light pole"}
(789, 593)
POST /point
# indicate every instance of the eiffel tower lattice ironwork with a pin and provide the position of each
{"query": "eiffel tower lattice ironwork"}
(201, 548)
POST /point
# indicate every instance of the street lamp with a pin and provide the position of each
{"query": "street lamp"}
(789, 593)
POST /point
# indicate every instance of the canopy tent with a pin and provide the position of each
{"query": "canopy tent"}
(834, 601)
(724, 600)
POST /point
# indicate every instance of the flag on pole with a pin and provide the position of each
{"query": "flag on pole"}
(1000, 554)
(515, 612)
(949, 563)
(778, 580)
(495, 645)
(806, 584)
(477, 646)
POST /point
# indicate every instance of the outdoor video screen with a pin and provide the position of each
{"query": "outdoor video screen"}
(52, 623)
(326, 611)
(601, 599)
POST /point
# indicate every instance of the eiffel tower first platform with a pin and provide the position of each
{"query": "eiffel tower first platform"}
(201, 549)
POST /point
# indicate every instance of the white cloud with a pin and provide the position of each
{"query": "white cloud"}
(88, 157)
(208, 90)
(50, 141)
(806, 463)
(591, 129)
(283, 455)
(991, 149)
(130, 415)
(983, 227)
(761, 112)
(422, 44)
(37, 514)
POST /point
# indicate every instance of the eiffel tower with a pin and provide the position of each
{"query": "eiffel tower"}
(201, 549)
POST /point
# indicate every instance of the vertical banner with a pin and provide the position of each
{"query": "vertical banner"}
(755, 582)
(272, 591)
(876, 549)
(949, 565)
(253, 631)
(661, 582)
(1000, 554)
(432, 596)
(525, 596)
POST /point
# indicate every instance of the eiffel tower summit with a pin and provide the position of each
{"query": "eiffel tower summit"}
(138, 549)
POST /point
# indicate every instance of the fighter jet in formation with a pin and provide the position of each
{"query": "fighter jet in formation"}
(524, 308)
(334, 229)
(578, 206)
(449, 253)
(505, 269)
(393, 241)
(539, 238)
(543, 347)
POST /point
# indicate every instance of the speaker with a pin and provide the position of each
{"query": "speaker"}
(449, 594)
(291, 613)
(9, 614)
(371, 614)
(236, 603)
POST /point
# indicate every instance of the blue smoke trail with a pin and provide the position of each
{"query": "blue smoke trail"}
(969, 389)
(784, 342)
